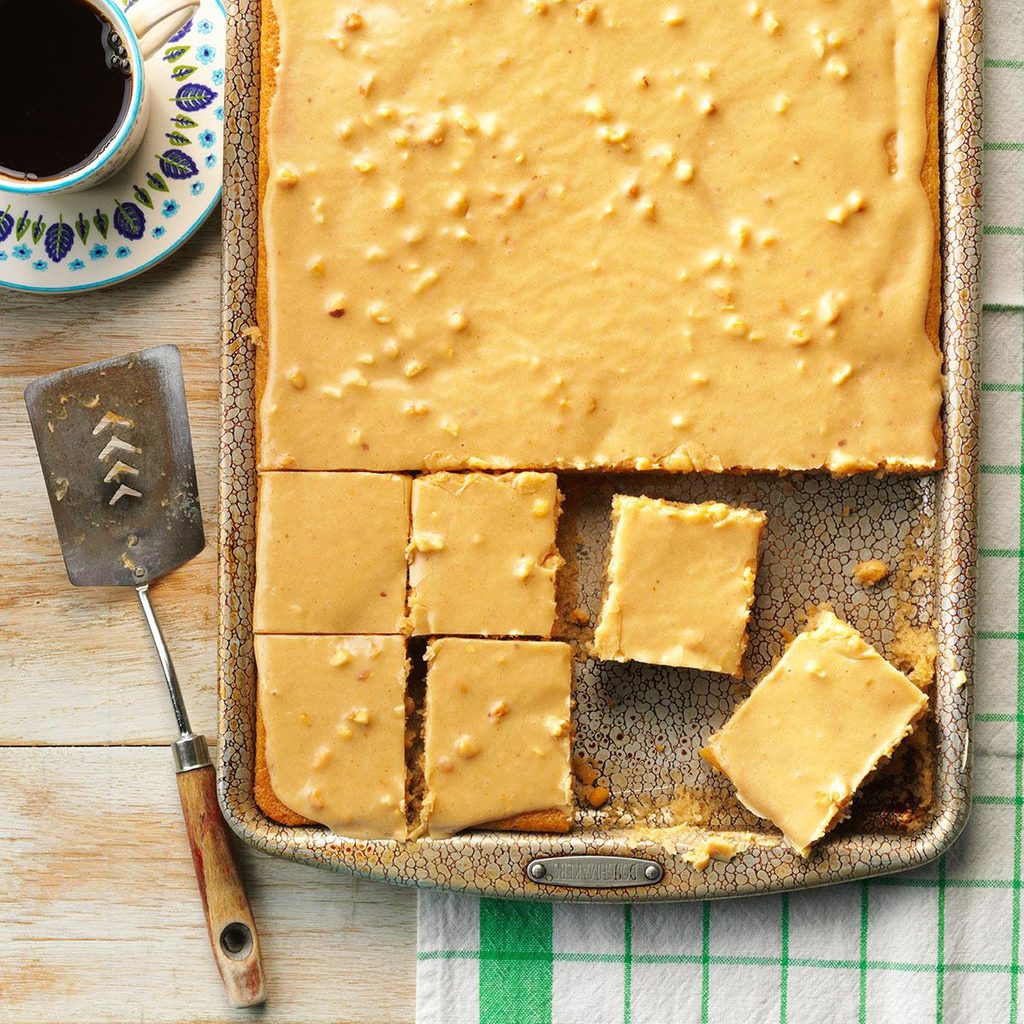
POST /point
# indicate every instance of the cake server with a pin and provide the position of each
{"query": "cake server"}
(116, 451)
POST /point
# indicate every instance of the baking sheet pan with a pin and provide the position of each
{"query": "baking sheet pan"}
(640, 726)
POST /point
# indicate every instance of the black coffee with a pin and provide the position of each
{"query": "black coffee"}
(65, 83)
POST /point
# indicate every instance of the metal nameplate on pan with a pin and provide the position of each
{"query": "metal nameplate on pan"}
(594, 872)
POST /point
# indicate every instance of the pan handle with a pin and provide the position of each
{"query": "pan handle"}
(236, 946)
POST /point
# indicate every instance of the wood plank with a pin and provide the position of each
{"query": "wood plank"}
(76, 666)
(101, 922)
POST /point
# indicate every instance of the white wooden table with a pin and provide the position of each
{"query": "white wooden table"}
(100, 920)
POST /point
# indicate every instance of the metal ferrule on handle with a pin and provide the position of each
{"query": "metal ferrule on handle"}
(190, 752)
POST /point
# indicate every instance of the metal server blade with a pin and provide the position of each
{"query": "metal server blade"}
(116, 450)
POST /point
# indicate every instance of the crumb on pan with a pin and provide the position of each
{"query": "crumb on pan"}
(914, 650)
(871, 572)
(713, 848)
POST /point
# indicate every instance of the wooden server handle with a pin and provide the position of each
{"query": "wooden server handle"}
(236, 947)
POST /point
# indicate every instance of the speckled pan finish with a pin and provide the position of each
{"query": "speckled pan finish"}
(644, 725)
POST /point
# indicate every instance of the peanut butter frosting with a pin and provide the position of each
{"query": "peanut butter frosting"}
(497, 731)
(482, 557)
(680, 583)
(799, 747)
(540, 234)
(330, 553)
(333, 711)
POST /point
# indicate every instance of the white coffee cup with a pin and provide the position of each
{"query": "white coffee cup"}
(143, 28)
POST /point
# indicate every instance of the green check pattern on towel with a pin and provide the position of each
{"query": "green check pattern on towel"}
(942, 944)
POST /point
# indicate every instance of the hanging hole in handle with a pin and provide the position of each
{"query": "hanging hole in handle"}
(236, 940)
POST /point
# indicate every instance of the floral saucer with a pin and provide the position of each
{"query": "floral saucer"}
(75, 241)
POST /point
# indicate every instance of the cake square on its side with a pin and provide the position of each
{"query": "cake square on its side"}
(333, 716)
(497, 735)
(801, 744)
(680, 584)
(330, 553)
(482, 558)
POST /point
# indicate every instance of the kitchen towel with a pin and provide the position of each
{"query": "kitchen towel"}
(941, 944)
(1003, 264)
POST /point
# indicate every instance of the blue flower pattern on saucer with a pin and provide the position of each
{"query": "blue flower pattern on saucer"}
(163, 181)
